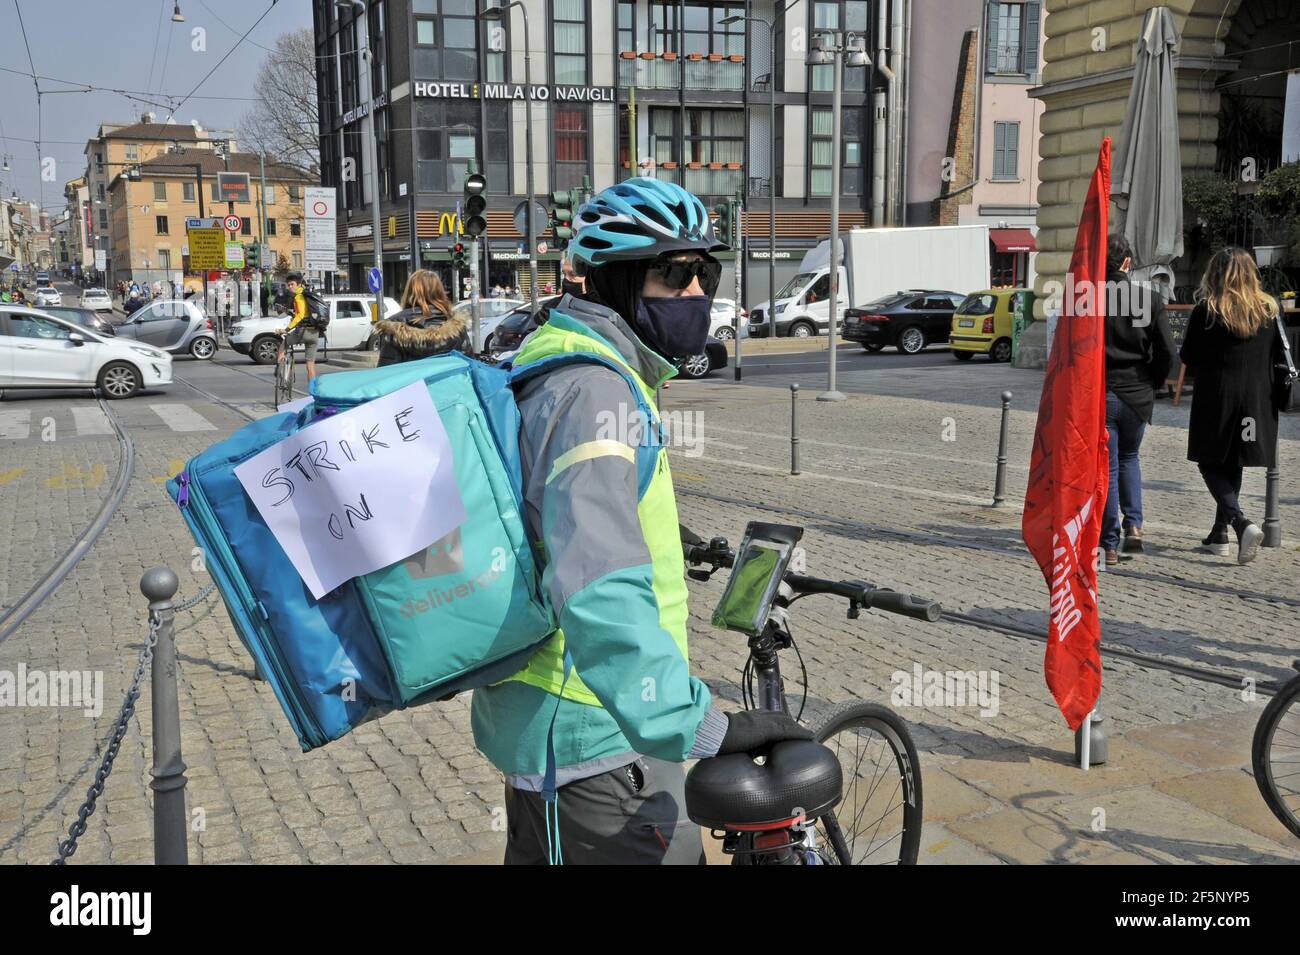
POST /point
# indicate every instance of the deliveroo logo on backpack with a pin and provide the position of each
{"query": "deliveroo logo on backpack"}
(443, 556)
(446, 556)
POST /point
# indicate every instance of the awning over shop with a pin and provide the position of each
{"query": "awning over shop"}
(1013, 240)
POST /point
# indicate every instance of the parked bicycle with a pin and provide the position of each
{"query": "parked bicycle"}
(1275, 754)
(853, 796)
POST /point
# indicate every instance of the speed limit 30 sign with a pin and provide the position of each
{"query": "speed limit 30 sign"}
(232, 223)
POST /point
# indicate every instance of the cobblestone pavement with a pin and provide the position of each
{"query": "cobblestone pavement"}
(884, 496)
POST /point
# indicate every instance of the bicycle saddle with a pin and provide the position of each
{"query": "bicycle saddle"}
(798, 778)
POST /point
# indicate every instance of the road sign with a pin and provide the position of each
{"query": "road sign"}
(207, 244)
(541, 248)
(321, 251)
(232, 223)
(101, 260)
(234, 255)
(375, 279)
(268, 257)
(539, 218)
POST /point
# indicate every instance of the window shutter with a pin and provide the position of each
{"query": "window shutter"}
(1033, 19)
(991, 46)
(999, 148)
(1011, 165)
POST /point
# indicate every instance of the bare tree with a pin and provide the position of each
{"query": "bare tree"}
(285, 124)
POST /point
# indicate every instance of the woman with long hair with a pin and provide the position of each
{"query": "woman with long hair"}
(1231, 347)
(425, 326)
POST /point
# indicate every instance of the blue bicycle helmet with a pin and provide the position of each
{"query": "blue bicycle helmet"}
(642, 218)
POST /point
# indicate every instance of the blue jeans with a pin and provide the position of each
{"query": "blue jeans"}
(1125, 429)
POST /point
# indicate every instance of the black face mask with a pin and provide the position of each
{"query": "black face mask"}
(575, 289)
(675, 327)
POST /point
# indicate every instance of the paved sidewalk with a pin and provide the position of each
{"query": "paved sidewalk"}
(884, 496)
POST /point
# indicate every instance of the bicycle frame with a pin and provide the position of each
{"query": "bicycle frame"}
(764, 651)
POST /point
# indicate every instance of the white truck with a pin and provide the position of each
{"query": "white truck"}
(875, 263)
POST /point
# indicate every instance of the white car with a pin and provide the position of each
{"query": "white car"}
(96, 299)
(349, 327)
(490, 313)
(39, 351)
(48, 295)
(721, 315)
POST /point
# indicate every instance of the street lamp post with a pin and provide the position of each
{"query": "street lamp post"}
(830, 48)
(771, 163)
(497, 14)
(372, 147)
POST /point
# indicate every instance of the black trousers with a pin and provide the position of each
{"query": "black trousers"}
(633, 815)
(1224, 482)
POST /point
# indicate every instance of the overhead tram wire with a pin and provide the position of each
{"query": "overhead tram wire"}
(214, 69)
(153, 59)
(92, 88)
(37, 84)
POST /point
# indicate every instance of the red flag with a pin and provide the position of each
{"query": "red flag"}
(1069, 470)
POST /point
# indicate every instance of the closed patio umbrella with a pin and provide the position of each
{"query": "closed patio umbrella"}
(1148, 175)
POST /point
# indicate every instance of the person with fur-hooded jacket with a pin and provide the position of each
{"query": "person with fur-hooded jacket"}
(425, 326)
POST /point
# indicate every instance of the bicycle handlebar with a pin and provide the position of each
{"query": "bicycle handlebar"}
(862, 594)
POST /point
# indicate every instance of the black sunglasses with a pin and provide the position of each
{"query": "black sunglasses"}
(679, 273)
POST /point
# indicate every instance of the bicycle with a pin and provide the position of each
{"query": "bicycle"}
(1275, 754)
(803, 803)
(284, 373)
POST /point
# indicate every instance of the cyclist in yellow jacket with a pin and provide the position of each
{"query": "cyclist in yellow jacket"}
(298, 332)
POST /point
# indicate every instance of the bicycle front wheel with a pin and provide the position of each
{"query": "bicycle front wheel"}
(879, 816)
(1275, 755)
(284, 380)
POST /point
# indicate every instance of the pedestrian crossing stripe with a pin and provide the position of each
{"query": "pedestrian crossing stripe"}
(180, 417)
(89, 420)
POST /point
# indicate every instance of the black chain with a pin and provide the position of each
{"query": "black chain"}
(78, 828)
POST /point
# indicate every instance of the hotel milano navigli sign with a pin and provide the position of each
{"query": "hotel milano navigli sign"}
(563, 94)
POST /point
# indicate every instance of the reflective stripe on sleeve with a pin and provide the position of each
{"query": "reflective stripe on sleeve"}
(588, 450)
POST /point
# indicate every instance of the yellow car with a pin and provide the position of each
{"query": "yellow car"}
(982, 324)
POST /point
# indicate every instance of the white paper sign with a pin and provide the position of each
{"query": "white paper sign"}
(360, 490)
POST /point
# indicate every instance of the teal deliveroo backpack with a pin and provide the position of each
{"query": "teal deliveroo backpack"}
(463, 613)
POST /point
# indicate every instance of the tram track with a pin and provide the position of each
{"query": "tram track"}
(14, 615)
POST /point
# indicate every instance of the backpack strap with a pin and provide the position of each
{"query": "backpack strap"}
(647, 452)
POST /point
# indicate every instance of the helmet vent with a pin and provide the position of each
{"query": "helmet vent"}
(655, 216)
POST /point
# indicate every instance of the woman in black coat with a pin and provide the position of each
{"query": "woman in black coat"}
(425, 326)
(1231, 347)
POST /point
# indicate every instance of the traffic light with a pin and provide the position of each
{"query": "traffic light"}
(458, 256)
(723, 209)
(472, 222)
(563, 204)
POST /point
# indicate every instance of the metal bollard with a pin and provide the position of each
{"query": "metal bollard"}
(794, 429)
(1000, 483)
(170, 829)
(1272, 509)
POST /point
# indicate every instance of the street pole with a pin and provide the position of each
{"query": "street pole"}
(740, 252)
(771, 175)
(528, 159)
(372, 160)
(261, 227)
(831, 394)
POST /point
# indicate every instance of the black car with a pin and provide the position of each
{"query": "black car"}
(519, 324)
(907, 320)
(86, 317)
(699, 366)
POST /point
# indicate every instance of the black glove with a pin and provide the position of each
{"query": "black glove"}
(749, 731)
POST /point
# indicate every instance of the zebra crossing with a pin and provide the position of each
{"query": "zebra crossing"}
(88, 420)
